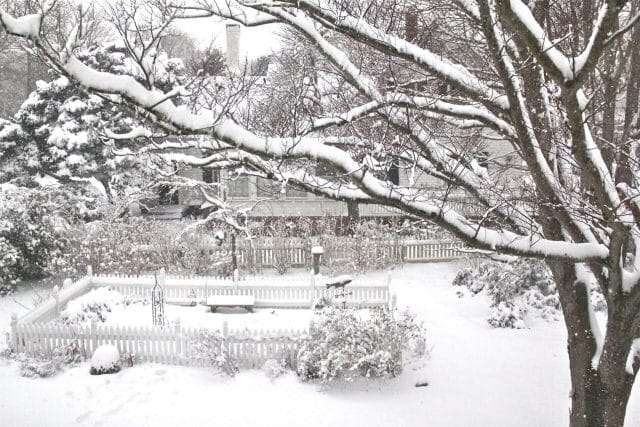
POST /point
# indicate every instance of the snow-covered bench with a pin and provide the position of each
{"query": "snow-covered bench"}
(245, 301)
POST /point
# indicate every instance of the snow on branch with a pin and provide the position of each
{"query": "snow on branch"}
(529, 145)
(233, 10)
(563, 68)
(480, 115)
(27, 26)
(359, 29)
(556, 63)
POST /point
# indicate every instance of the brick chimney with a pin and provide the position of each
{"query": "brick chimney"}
(233, 46)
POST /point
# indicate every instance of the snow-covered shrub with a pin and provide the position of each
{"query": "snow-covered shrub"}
(274, 368)
(94, 305)
(32, 367)
(28, 237)
(282, 255)
(108, 246)
(9, 267)
(208, 348)
(343, 255)
(507, 315)
(344, 343)
(129, 359)
(136, 246)
(46, 365)
(69, 354)
(514, 288)
(105, 360)
(321, 302)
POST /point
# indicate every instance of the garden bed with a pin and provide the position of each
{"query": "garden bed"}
(199, 317)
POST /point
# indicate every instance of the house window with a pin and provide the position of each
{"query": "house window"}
(239, 187)
(210, 176)
(325, 171)
(444, 88)
(168, 195)
(267, 188)
(293, 192)
(483, 159)
(393, 175)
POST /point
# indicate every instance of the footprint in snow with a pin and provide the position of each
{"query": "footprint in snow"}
(115, 409)
(82, 417)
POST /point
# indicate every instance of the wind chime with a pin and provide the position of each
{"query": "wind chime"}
(157, 301)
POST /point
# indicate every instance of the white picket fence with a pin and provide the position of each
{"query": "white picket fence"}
(272, 292)
(265, 252)
(169, 345)
(430, 251)
(39, 333)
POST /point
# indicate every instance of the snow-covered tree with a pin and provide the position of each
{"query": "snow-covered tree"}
(554, 83)
(59, 130)
(31, 221)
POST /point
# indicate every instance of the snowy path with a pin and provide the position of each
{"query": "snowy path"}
(477, 376)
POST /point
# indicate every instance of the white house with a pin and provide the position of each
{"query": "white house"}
(276, 202)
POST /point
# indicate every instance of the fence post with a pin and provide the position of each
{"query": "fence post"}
(316, 251)
(313, 289)
(94, 335)
(14, 332)
(234, 256)
(225, 334)
(89, 271)
(393, 302)
(178, 333)
(225, 329)
(56, 297)
(162, 277)
(236, 278)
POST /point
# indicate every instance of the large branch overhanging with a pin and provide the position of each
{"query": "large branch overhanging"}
(372, 188)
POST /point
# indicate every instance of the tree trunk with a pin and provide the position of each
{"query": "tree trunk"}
(586, 408)
(353, 215)
(599, 396)
(616, 381)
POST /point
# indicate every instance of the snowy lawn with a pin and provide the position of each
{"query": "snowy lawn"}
(478, 376)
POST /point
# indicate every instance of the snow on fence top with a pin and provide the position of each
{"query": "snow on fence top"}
(51, 307)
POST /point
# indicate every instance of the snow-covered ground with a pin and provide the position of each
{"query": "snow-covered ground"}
(201, 317)
(477, 376)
